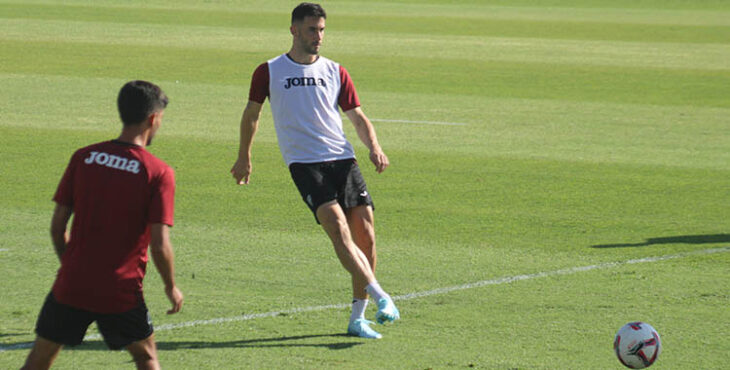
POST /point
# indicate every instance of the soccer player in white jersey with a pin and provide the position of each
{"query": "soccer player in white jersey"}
(305, 90)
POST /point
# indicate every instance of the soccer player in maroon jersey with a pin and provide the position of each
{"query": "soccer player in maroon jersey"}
(122, 199)
(305, 90)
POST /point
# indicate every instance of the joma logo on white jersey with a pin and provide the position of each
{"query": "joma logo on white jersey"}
(113, 161)
(303, 81)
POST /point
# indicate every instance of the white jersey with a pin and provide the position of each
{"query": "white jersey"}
(304, 103)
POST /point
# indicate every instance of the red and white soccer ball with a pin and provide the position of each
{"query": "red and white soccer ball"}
(637, 345)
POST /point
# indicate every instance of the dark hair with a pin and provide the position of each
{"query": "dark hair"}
(307, 10)
(138, 99)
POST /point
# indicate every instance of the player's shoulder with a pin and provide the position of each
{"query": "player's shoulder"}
(285, 59)
(324, 59)
(276, 58)
(329, 63)
(96, 146)
(263, 67)
(153, 163)
(157, 169)
(334, 67)
(84, 151)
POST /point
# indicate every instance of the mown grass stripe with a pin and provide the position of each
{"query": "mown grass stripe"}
(531, 80)
(410, 296)
(654, 55)
(440, 25)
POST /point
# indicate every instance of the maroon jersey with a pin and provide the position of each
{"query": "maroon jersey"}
(116, 191)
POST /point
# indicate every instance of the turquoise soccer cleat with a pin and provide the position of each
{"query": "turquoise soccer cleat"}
(361, 328)
(386, 311)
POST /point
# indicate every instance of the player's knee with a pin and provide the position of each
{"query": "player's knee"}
(332, 223)
(339, 224)
(338, 232)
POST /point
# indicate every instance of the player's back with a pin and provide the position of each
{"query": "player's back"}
(113, 188)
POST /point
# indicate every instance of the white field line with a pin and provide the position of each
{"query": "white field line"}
(422, 122)
(4, 249)
(404, 297)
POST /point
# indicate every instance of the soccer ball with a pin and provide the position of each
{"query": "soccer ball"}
(637, 345)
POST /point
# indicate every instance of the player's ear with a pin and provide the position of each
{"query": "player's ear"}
(293, 29)
(150, 121)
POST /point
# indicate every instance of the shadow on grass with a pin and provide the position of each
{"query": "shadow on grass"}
(98, 345)
(682, 239)
(264, 343)
(2, 335)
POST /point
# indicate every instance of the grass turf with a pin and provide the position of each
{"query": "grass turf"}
(587, 132)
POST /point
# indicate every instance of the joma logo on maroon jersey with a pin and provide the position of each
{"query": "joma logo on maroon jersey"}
(113, 161)
(304, 81)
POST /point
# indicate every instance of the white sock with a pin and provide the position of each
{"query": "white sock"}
(376, 291)
(358, 309)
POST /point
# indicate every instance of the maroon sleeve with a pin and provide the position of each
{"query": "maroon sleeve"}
(162, 208)
(348, 96)
(259, 84)
(65, 192)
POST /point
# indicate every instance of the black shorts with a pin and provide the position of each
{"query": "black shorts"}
(67, 325)
(323, 182)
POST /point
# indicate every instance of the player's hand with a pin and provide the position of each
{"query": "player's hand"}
(176, 298)
(241, 171)
(380, 160)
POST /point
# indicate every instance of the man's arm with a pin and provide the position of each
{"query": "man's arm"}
(59, 221)
(249, 123)
(163, 257)
(366, 132)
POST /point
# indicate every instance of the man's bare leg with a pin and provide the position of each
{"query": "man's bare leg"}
(144, 353)
(42, 355)
(362, 227)
(335, 224)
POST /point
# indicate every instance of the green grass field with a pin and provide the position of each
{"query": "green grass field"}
(527, 138)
